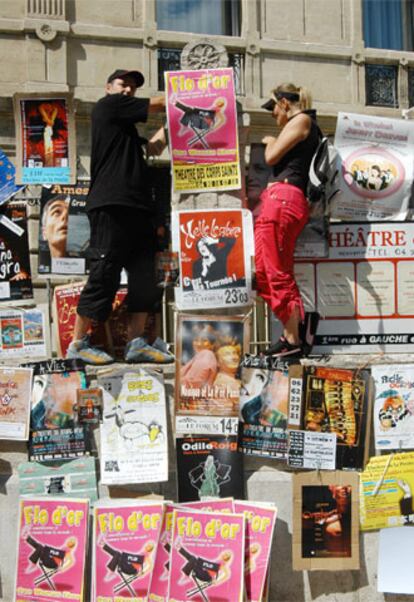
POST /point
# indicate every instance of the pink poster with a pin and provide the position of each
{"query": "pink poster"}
(260, 523)
(51, 550)
(202, 123)
(207, 557)
(158, 589)
(125, 540)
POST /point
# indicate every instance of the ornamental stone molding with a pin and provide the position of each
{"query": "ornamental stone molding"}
(204, 54)
(46, 31)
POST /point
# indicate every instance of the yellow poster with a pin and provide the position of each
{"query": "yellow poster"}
(386, 492)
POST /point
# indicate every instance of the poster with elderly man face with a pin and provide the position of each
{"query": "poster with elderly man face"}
(63, 230)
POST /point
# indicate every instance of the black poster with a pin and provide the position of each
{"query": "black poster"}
(15, 275)
(64, 230)
(209, 466)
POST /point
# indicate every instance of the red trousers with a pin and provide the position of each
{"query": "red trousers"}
(284, 214)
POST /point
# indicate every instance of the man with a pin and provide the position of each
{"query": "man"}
(55, 225)
(120, 211)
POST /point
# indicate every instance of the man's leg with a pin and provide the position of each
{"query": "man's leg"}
(136, 324)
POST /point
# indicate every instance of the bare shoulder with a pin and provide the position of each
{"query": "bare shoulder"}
(301, 124)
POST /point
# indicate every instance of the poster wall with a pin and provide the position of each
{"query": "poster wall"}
(45, 138)
(64, 230)
(15, 273)
(215, 250)
(376, 167)
(364, 289)
(202, 125)
(209, 349)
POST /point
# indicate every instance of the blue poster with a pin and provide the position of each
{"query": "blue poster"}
(7, 178)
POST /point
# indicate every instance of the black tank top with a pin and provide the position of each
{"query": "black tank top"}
(293, 168)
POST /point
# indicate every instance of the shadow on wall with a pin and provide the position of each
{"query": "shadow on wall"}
(286, 584)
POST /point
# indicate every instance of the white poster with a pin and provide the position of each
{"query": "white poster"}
(23, 333)
(363, 290)
(395, 561)
(394, 406)
(215, 247)
(134, 429)
(376, 167)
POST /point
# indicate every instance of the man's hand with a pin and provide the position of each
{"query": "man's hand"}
(156, 104)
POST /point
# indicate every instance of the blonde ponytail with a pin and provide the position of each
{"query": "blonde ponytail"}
(305, 97)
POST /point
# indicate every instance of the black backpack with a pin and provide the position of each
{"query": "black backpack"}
(323, 176)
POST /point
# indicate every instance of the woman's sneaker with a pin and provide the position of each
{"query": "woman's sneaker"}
(283, 348)
(83, 350)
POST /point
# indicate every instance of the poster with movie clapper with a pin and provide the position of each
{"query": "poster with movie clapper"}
(15, 391)
(64, 230)
(325, 521)
(15, 273)
(24, 332)
(51, 552)
(215, 248)
(208, 352)
(55, 434)
(264, 406)
(134, 446)
(307, 449)
(393, 406)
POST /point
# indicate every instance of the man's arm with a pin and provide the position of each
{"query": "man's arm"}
(156, 104)
(157, 142)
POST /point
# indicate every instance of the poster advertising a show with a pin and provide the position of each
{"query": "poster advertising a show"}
(363, 290)
(134, 446)
(264, 403)
(207, 467)
(53, 421)
(125, 539)
(394, 406)
(24, 332)
(64, 230)
(207, 557)
(202, 125)
(215, 250)
(52, 545)
(15, 390)
(387, 488)
(45, 138)
(325, 521)
(8, 186)
(209, 349)
(15, 274)
(376, 167)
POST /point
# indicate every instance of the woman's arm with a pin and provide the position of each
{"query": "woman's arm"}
(293, 132)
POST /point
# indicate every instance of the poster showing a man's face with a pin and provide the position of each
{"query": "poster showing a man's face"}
(55, 226)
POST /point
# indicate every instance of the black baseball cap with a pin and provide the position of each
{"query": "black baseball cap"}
(121, 73)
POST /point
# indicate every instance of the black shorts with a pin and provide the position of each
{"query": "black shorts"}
(121, 237)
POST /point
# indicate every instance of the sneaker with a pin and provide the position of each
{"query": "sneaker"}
(307, 330)
(162, 346)
(283, 348)
(83, 350)
(139, 351)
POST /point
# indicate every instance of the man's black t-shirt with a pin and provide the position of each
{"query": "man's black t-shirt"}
(118, 168)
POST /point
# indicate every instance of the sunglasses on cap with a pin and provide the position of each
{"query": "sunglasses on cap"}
(270, 104)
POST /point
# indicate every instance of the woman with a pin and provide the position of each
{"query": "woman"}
(285, 210)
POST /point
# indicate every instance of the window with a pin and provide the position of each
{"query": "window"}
(214, 17)
(169, 60)
(381, 85)
(389, 24)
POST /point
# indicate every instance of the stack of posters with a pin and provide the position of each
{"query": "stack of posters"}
(202, 127)
(386, 492)
(125, 536)
(15, 393)
(134, 446)
(112, 335)
(333, 400)
(325, 521)
(45, 138)
(215, 248)
(51, 553)
(15, 274)
(24, 333)
(76, 478)
(264, 406)
(207, 556)
(394, 406)
(64, 230)
(54, 431)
